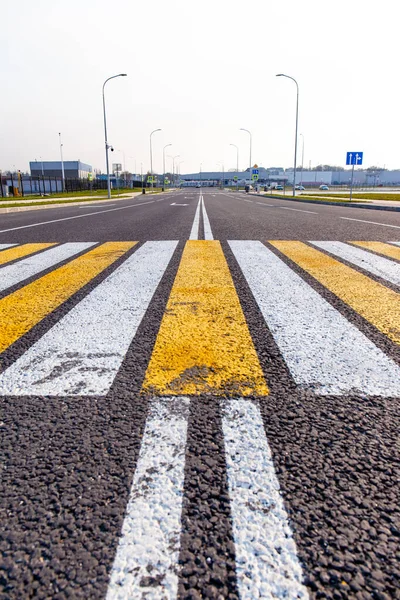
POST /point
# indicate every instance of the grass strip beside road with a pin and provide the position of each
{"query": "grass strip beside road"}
(311, 198)
(51, 202)
(359, 195)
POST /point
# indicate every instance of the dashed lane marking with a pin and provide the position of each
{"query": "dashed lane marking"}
(373, 301)
(204, 345)
(33, 265)
(322, 349)
(194, 233)
(23, 309)
(20, 251)
(310, 212)
(371, 222)
(206, 222)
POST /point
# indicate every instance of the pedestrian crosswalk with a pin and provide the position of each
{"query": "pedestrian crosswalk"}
(204, 344)
(72, 313)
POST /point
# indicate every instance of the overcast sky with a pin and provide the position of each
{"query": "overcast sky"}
(200, 70)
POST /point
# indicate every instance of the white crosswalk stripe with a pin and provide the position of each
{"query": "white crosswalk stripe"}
(4, 246)
(148, 551)
(377, 265)
(82, 353)
(322, 349)
(33, 265)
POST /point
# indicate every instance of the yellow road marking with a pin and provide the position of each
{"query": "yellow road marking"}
(204, 345)
(376, 303)
(23, 309)
(380, 248)
(20, 251)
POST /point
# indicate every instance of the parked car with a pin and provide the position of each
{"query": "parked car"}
(323, 187)
(300, 187)
(279, 187)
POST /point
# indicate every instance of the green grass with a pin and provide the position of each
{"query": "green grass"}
(95, 194)
(315, 198)
(49, 202)
(364, 196)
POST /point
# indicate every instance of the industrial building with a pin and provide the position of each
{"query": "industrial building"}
(73, 169)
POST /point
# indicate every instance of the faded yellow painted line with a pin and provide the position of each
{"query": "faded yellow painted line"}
(376, 303)
(23, 309)
(380, 248)
(10, 254)
(204, 345)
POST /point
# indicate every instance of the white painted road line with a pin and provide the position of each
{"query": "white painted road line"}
(267, 565)
(323, 350)
(396, 243)
(4, 246)
(33, 265)
(207, 227)
(371, 222)
(81, 354)
(75, 217)
(98, 206)
(146, 562)
(264, 204)
(298, 210)
(244, 200)
(194, 233)
(378, 265)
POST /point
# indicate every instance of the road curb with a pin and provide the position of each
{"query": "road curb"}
(64, 204)
(368, 206)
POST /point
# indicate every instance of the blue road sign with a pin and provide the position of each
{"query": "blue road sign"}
(354, 158)
(254, 172)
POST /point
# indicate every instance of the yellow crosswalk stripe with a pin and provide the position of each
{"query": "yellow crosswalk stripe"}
(376, 303)
(204, 345)
(21, 251)
(23, 309)
(380, 248)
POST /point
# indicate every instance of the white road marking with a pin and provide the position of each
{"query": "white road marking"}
(146, 562)
(194, 233)
(323, 350)
(298, 210)
(175, 204)
(267, 565)
(33, 265)
(378, 265)
(75, 217)
(264, 204)
(98, 206)
(371, 222)
(4, 246)
(207, 227)
(81, 354)
(396, 243)
(244, 200)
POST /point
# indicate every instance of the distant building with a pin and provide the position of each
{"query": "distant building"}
(73, 169)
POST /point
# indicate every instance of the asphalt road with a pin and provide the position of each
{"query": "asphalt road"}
(211, 412)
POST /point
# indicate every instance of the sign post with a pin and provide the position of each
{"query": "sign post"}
(353, 158)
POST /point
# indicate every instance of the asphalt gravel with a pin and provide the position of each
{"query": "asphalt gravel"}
(68, 462)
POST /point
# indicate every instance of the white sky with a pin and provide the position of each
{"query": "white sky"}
(200, 70)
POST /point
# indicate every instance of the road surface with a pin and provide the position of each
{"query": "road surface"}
(200, 399)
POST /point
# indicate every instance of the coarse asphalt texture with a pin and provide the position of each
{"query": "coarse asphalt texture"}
(148, 454)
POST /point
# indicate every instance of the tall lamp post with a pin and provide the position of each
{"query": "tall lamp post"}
(302, 159)
(223, 174)
(166, 146)
(179, 172)
(297, 120)
(242, 129)
(237, 165)
(173, 167)
(105, 132)
(151, 156)
(62, 164)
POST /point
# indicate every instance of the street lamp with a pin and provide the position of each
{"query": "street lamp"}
(297, 120)
(223, 174)
(173, 166)
(302, 160)
(151, 156)
(237, 165)
(164, 164)
(62, 164)
(242, 129)
(179, 171)
(105, 132)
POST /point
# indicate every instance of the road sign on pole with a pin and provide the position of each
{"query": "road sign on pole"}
(354, 158)
(235, 178)
(254, 177)
(254, 171)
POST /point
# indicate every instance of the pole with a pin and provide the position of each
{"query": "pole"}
(166, 146)
(351, 184)
(251, 140)
(62, 164)
(151, 158)
(105, 133)
(302, 160)
(297, 121)
(237, 165)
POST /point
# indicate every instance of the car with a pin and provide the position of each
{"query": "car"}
(279, 187)
(323, 187)
(300, 187)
